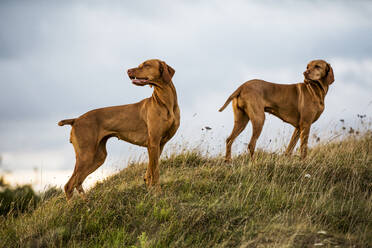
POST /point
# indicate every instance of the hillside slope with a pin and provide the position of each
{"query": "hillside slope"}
(273, 201)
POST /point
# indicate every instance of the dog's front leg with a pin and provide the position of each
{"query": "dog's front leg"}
(293, 142)
(152, 173)
(304, 136)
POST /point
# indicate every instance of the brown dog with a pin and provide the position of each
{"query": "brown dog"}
(149, 123)
(298, 104)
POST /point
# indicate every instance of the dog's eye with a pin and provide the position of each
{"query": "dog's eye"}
(146, 65)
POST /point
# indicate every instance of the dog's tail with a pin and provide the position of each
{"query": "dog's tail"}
(66, 122)
(233, 95)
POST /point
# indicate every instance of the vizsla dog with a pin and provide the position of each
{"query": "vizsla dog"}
(298, 104)
(149, 123)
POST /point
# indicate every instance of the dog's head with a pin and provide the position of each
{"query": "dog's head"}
(152, 72)
(319, 71)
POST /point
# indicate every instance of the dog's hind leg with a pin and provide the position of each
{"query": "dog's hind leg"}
(81, 167)
(69, 186)
(89, 156)
(99, 159)
(81, 192)
(257, 116)
(240, 122)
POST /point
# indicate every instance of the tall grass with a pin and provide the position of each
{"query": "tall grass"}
(270, 201)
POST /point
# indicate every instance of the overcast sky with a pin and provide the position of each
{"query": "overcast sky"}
(59, 59)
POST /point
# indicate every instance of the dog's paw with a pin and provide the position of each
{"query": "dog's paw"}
(227, 160)
(156, 189)
(147, 180)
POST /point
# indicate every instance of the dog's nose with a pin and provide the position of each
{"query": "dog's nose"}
(130, 72)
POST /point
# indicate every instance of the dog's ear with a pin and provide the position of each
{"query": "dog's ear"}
(329, 79)
(167, 72)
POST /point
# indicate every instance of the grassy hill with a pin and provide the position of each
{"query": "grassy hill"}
(272, 201)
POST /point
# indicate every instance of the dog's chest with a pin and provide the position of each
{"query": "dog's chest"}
(173, 123)
(319, 112)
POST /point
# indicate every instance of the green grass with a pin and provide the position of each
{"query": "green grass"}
(272, 201)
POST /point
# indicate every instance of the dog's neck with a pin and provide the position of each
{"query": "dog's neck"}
(317, 89)
(166, 96)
